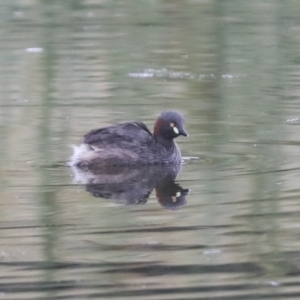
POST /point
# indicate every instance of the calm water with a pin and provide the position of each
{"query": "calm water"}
(228, 227)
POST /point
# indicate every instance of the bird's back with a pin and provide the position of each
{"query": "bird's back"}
(123, 144)
(126, 136)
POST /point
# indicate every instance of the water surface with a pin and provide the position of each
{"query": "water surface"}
(231, 68)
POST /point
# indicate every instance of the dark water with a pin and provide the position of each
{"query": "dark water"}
(232, 68)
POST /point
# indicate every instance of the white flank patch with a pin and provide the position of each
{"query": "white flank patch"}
(79, 151)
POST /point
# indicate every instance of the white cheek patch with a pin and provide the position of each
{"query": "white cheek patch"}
(176, 130)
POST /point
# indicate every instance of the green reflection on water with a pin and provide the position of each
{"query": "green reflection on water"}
(231, 68)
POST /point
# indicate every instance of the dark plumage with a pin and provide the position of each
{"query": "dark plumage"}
(132, 143)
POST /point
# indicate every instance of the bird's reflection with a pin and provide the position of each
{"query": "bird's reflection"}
(133, 185)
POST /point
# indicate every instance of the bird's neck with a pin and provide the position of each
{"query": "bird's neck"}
(167, 143)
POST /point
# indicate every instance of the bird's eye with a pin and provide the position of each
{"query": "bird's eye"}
(174, 128)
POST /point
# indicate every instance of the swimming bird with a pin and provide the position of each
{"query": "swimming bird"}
(131, 143)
